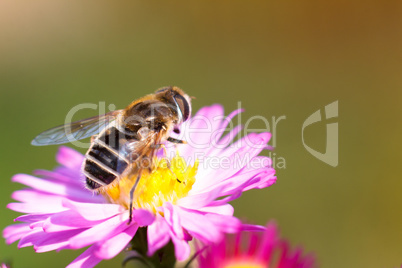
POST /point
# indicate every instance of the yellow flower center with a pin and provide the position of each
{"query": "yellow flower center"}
(163, 184)
(244, 264)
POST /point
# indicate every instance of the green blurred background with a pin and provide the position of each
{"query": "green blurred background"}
(278, 58)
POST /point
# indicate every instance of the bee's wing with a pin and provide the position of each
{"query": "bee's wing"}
(136, 151)
(76, 130)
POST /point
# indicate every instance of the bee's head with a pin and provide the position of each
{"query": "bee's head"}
(178, 101)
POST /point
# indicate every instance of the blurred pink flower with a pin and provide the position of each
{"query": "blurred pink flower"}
(253, 250)
(61, 214)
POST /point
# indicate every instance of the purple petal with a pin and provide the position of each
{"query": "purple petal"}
(34, 208)
(225, 141)
(261, 182)
(39, 198)
(14, 232)
(113, 246)
(199, 226)
(100, 231)
(217, 142)
(60, 177)
(173, 220)
(66, 220)
(31, 218)
(253, 143)
(28, 239)
(225, 209)
(269, 240)
(72, 174)
(309, 261)
(158, 235)
(225, 200)
(250, 179)
(236, 157)
(294, 257)
(38, 224)
(54, 241)
(51, 187)
(206, 122)
(51, 241)
(31, 195)
(56, 246)
(227, 224)
(258, 162)
(143, 217)
(195, 201)
(253, 228)
(212, 114)
(181, 248)
(86, 259)
(199, 128)
(93, 211)
(69, 158)
(225, 122)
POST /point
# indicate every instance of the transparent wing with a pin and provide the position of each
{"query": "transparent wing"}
(137, 151)
(76, 130)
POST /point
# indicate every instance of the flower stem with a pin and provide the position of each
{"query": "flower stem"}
(163, 258)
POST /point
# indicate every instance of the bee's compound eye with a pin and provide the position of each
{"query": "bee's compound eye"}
(184, 106)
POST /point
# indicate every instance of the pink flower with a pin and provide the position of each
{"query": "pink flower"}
(61, 214)
(254, 250)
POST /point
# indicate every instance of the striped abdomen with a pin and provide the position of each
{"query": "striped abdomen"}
(104, 161)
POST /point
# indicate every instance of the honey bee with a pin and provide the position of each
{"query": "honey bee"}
(123, 140)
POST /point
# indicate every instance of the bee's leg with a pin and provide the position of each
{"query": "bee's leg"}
(173, 140)
(132, 195)
(163, 147)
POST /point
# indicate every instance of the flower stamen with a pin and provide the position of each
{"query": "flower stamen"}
(168, 182)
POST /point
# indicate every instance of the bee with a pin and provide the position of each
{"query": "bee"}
(123, 140)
